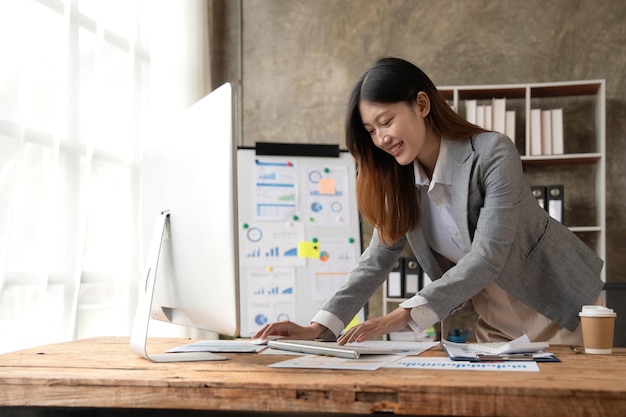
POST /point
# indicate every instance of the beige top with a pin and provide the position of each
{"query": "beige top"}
(503, 318)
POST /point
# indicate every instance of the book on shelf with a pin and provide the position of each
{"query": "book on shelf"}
(498, 120)
(470, 111)
(557, 132)
(488, 117)
(491, 116)
(509, 124)
(535, 132)
(480, 115)
(546, 132)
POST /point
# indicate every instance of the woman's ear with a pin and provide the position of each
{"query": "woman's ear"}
(422, 103)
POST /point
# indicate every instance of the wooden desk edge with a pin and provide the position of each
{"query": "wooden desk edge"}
(102, 372)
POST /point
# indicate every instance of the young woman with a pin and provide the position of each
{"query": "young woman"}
(456, 194)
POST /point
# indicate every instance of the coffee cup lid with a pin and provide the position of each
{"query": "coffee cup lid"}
(597, 311)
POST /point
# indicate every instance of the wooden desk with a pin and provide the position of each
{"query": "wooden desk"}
(104, 373)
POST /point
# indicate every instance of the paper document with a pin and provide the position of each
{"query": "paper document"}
(370, 363)
(224, 346)
(409, 348)
(447, 364)
(352, 350)
(520, 349)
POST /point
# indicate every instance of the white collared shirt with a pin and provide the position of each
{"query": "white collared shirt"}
(440, 230)
(436, 213)
(439, 227)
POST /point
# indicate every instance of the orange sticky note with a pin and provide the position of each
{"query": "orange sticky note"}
(326, 186)
(309, 250)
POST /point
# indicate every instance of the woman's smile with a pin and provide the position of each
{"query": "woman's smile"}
(395, 148)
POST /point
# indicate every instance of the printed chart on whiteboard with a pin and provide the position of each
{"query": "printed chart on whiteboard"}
(299, 234)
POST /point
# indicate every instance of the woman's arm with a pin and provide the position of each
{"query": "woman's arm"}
(369, 274)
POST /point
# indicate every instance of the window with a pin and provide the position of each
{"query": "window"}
(75, 89)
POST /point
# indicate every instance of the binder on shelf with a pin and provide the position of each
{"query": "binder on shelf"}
(555, 199)
(412, 277)
(395, 280)
(539, 192)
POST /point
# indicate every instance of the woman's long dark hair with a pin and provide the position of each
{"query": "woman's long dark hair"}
(386, 190)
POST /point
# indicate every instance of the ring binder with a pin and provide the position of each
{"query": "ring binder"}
(412, 277)
(395, 280)
(555, 199)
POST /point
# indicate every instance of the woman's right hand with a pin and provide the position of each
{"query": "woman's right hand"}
(290, 330)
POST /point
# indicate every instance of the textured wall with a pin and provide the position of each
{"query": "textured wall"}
(301, 58)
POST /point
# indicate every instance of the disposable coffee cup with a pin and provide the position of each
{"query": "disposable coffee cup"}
(598, 324)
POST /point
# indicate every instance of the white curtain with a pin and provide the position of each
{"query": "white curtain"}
(82, 86)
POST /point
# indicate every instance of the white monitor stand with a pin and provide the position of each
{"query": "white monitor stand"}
(139, 335)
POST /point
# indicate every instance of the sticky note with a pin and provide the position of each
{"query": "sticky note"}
(326, 186)
(309, 250)
(355, 321)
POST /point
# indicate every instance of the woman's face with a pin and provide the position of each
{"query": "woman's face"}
(398, 128)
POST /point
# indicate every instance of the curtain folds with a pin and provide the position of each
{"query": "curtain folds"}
(83, 84)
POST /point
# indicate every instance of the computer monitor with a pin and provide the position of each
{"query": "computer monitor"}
(189, 210)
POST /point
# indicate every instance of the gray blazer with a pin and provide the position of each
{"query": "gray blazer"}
(513, 242)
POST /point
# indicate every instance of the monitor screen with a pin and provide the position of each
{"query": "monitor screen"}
(189, 220)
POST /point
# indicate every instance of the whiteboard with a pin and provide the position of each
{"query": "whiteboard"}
(299, 234)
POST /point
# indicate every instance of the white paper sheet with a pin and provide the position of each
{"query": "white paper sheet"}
(448, 364)
(369, 363)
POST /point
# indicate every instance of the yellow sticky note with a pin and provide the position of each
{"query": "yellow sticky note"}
(326, 186)
(355, 321)
(309, 250)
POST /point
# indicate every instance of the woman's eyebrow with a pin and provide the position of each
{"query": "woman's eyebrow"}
(379, 116)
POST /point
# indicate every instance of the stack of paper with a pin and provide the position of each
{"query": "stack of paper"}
(519, 349)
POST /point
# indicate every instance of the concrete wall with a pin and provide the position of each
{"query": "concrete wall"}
(300, 58)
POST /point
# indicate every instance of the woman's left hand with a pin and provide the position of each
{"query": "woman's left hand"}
(396, 320)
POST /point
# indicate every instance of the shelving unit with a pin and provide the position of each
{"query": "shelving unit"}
(584, 157)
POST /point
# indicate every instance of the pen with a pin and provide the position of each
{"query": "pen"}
(576, 349)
